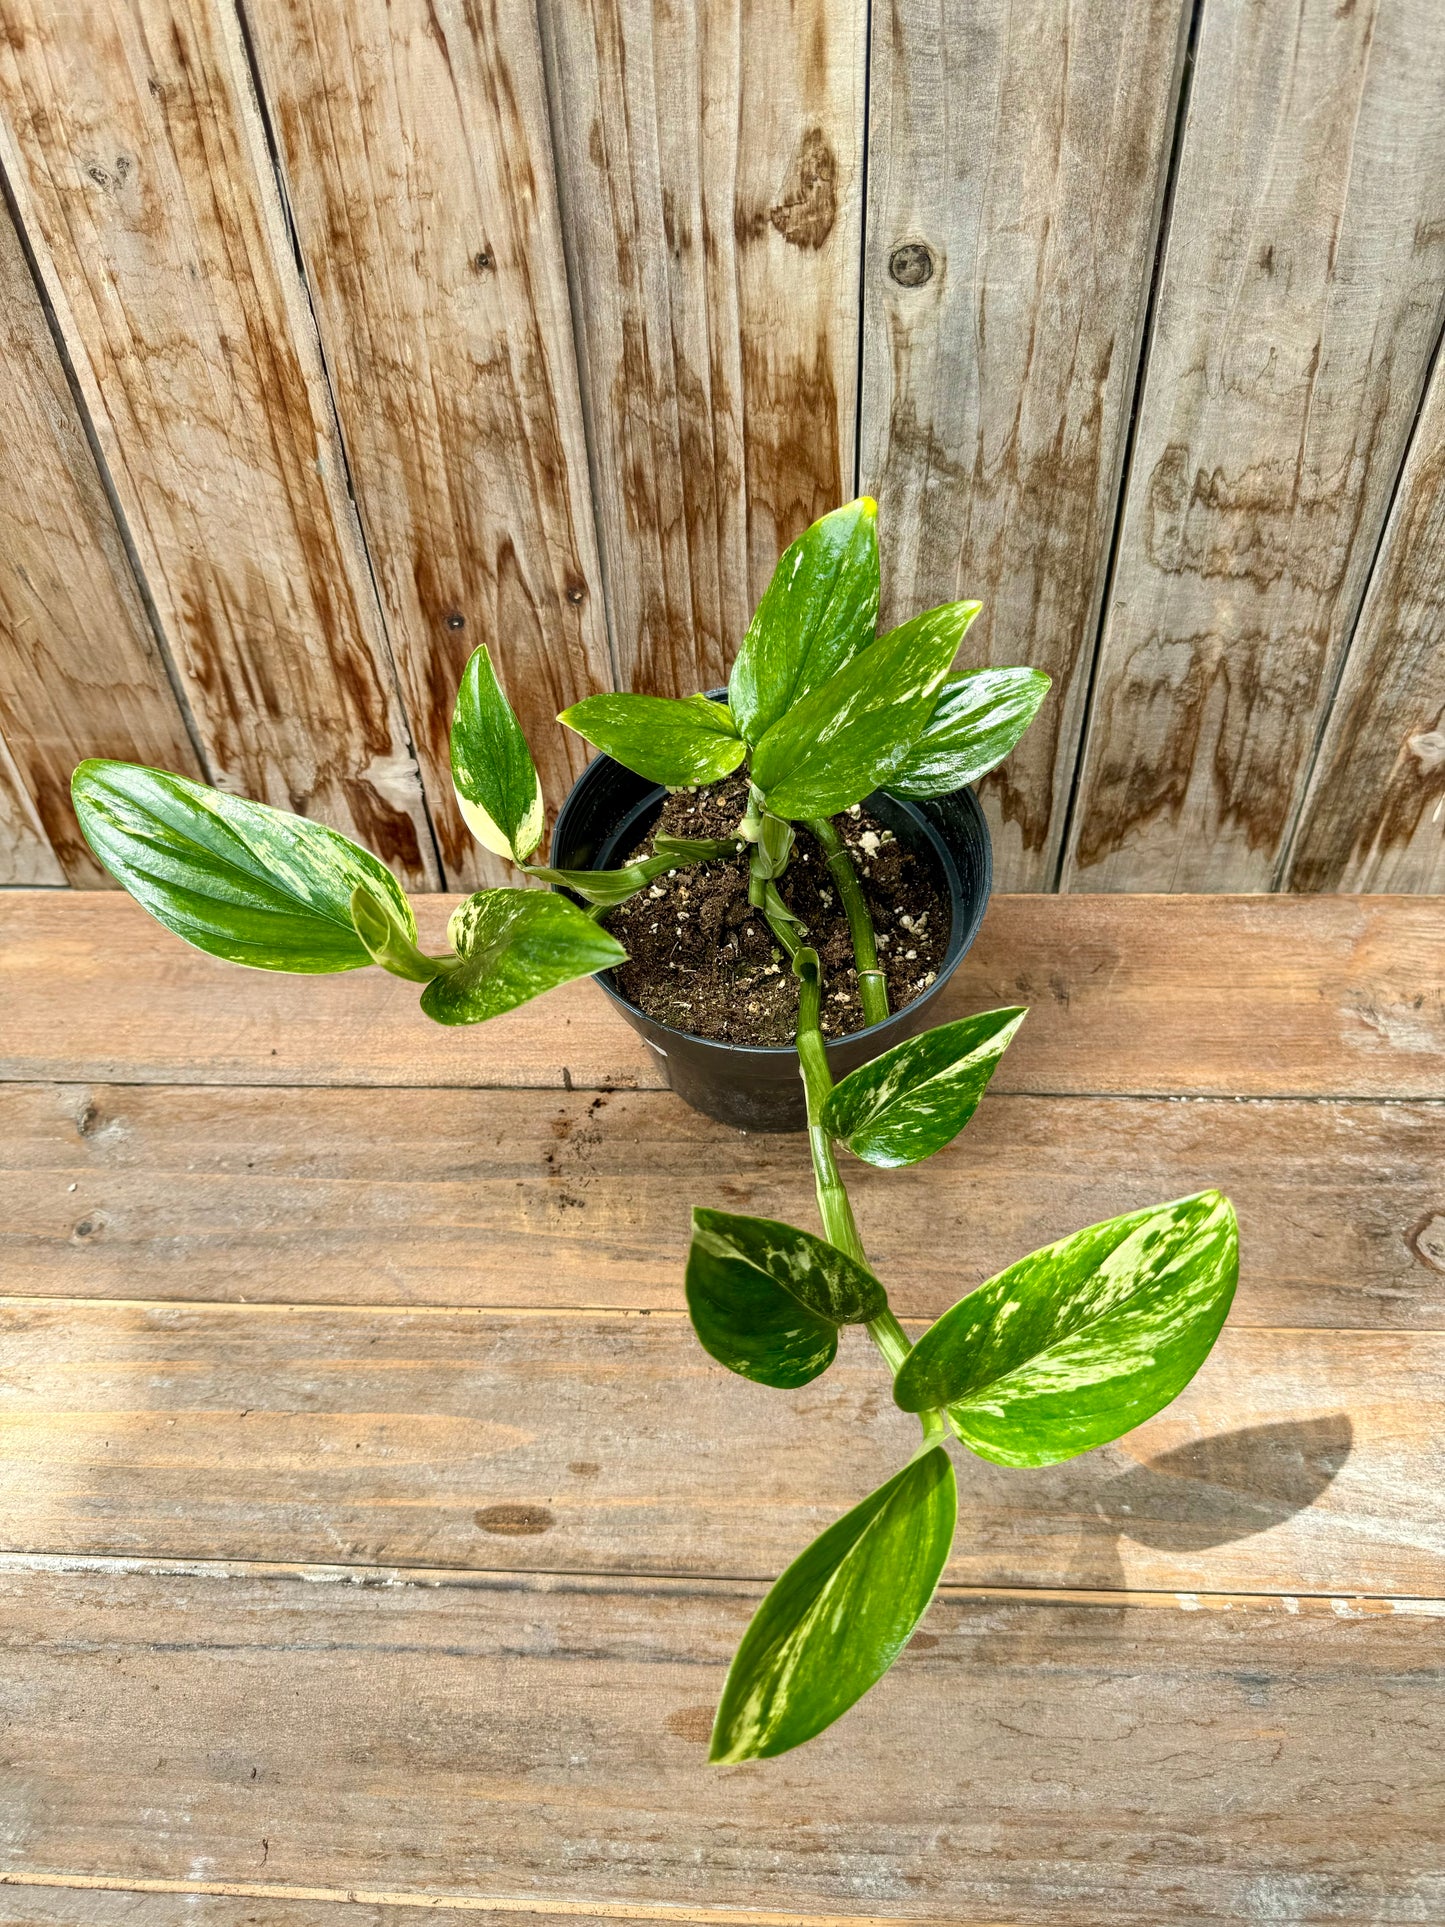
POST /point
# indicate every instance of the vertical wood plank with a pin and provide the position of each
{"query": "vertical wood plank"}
(141, 171)
(1374, 818)
(710, 166)
(1300, 303)
(1017, 159)
(25, 853)
(418, 159)
(80, 674)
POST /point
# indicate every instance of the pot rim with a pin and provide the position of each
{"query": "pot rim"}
(958, 899)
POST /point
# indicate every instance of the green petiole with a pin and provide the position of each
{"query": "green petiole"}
(839, 1224)
(872, 984)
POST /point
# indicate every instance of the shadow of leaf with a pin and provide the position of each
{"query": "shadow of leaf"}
(1216, 1490)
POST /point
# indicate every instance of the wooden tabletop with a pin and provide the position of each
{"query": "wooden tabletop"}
(376, 1534)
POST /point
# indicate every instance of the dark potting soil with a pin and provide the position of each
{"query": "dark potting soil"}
(701, 959)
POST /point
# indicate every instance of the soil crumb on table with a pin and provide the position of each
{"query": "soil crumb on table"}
(701, 959)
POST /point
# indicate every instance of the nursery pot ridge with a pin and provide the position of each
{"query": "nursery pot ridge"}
(758, 1087)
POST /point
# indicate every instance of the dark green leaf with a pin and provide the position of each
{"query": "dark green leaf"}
(824, 1278)
(917, 1097)
(677, 741)
(766, 1299)
(513, 945)
(496, 783)
(754, 1327)
(850, 736)
(976, 721)
(238, 879)
(819, 609)
(839, 1616)
(1080, 1342)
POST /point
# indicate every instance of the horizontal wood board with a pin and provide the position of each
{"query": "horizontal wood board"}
(542, 1741)
(1255, 996)
(1298, 1461)
(448, 1197)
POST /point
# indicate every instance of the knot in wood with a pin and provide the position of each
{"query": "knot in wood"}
(911, 264)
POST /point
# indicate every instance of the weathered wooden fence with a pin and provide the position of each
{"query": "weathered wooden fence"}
(339, 335)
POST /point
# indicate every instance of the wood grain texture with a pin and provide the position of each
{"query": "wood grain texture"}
(101, 1900)
(26, 856)
(1299, 1461)
(1254, 997)
(569, 1200)
(1299, 307)
(419, 164)
(1001, 345)
(710, 163)
(544, 1742)
(80, 674)
(139, 163)
(1374, 817)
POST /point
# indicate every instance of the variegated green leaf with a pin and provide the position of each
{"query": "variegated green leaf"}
(976, 721)
(839, 1616)
(511, 946)
(677, 741)
(848, 737)
(917, 1097)
(498, 789)
(1080, 1342)
(238, 879)
(387, 939)
(819, 609)
(766, 1299)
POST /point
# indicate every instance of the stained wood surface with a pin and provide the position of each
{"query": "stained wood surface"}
(80, 674)
(711, 169)
(1258, 996)
(542, 1741)
(1299, 309)
(1013, 210)
(612, 1443)
(377, 1533)
(446, 1197)
(1374, 818)
(26, 856)
(138, 159)
(419, 162)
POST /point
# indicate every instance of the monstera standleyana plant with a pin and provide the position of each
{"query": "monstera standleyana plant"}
(1068, 1348)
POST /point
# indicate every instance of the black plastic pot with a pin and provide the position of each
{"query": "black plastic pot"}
(755, 1087)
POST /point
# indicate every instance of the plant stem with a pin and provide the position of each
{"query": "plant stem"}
(763, 896)
(872, 984)
(833, 1205)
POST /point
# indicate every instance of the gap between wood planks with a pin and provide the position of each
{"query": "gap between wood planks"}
(398, 1576)
(669, 1313)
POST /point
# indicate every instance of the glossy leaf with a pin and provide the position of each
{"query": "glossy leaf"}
(917, 1097)
(238, 879)
(820, 608)
(976, 721)
(497, 786)
(839, 1616)
(677, 741)
(766, 1299)
(850, 736)
(1080, 1342)
(388, 941)
(512, 945)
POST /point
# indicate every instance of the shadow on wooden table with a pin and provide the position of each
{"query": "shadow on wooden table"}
(1212, 1492)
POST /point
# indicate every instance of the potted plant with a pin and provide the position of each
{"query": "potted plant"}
(835, 751)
